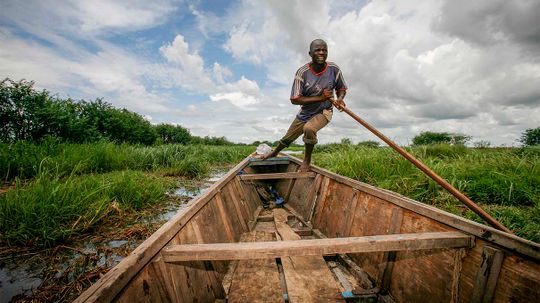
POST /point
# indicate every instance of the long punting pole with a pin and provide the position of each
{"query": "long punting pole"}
(456, 193)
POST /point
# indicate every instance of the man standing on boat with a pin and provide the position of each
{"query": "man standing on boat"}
(313, 89)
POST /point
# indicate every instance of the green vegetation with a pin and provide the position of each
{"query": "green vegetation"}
(74, 187)
(504, 181)
(530, 137)
(74, 164)
(426, 138)
(33, 116)
(50, 209)
(24, 160)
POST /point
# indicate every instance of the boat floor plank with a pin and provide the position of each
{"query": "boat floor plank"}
(256, 280)
(308, 278)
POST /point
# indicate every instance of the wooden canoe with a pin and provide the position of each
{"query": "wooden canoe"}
(335, 240)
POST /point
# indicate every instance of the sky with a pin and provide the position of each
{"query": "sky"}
(225, 68)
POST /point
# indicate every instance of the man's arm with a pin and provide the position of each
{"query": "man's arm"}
(339, 103)
(326, 95)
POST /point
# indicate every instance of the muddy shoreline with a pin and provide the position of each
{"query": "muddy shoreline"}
(61, 273)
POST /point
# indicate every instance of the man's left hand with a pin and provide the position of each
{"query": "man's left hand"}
(339, 104)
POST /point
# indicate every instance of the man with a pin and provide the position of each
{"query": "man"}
(313, 89)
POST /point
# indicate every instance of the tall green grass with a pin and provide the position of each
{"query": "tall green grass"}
(24, 160)
(505, 181)
(50, 209)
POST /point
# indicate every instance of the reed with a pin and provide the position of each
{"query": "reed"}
(50, 209)
(23, 160)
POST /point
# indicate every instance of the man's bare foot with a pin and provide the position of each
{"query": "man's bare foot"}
(304, 168)
(269, 155)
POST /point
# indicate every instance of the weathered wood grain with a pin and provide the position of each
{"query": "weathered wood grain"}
(291, 175)
(315, 247)
(308, 279)
(256, 280)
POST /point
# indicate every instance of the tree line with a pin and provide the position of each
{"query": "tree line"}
(31, 115)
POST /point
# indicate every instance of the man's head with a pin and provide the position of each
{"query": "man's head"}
(318, 51)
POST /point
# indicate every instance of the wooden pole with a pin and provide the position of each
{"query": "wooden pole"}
(456, 193)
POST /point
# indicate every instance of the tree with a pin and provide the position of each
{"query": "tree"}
(173, 134)
(23, 111)
(346, 141)
(27, 114)
(369, 143)
(482, 144)
(530, 137)
(427, 137)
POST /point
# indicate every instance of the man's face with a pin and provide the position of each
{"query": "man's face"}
(319, 52)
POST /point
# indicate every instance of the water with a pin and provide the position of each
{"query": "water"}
(21, 275)
(18, 280)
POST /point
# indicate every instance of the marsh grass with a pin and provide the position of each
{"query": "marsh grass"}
(504, 181)
(24, 160)
(50, 209)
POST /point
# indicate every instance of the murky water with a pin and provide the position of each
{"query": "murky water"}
(18, 280)
(21, 275)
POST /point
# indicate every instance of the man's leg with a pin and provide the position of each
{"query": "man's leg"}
(295, 130)
(310, 138)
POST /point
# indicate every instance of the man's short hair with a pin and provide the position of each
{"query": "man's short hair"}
(316, 41)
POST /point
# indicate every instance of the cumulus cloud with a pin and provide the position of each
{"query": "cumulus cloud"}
(428, 61)
(87, 18)
(446, 65)
(487, 22)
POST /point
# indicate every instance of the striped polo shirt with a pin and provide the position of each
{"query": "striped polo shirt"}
(308, 83)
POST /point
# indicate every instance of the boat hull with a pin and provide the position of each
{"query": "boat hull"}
(498, 267)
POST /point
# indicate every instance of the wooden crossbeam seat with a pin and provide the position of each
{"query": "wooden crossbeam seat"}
(271, 176)
(328, 246)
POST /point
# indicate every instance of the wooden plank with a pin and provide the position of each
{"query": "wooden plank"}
(248, 193)
(518, 281)
(511, 242)
(361, 276)
(266, 163)
(224, 218)
(371, 216)
(422, 274)
(256, 280)
(390, 257)
(487, 276)
(239, 209)
(308, 279)
(315, 247)
(320, 203)
(267, 218)
(114, 281)
(459, 254)
(251, 224)
(210, 278)
(148, 286)
(290, 175)
(311, 197)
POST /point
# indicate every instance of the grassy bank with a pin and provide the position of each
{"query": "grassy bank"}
(50, 209)
(66, 189)
(506, 182)
(25, 160)
(62, 190)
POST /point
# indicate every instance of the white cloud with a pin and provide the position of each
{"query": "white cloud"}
(221, 72)
(410, 65)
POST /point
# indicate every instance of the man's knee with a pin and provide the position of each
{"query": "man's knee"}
(310, 134)
(310, 131)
